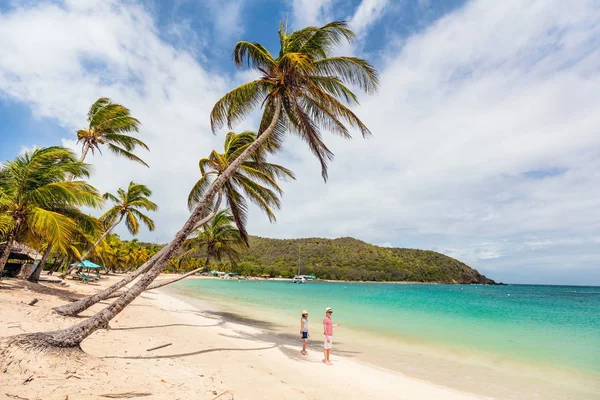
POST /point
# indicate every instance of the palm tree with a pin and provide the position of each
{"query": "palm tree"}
(255, 178)
(216, 240)
(38, 203)
(302, 90)
(127, 205)
(108, 124)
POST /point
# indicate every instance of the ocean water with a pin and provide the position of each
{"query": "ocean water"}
(554, 326)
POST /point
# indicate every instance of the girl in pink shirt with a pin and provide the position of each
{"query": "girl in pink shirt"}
(328, 334)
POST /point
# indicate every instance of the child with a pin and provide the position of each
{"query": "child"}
(304, 330)
(328, 326)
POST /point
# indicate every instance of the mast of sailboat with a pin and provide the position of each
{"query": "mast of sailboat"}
(298, 274)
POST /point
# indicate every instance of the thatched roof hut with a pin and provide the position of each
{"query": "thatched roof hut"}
(20, 254)
(20, 251)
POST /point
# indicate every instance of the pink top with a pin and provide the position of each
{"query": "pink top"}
(328, 326)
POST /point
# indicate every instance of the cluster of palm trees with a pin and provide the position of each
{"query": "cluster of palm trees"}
(303, 90)
(42, 192)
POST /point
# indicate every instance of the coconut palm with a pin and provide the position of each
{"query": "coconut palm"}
(254, 179)
(303, 90)
(108, 124)
(215, 240)
(38, 203)
(127, 206)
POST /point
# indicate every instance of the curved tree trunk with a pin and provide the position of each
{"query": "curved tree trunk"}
(166, 282)
(79, 306)
(37, 271)
(72, 309)
(73, 336)
(56, 265)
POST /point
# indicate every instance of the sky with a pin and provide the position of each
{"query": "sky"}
(486, 126)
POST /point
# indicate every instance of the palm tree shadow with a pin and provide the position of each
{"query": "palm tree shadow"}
(239, 319)
(289, 344)
(165, 326)
(193, 353)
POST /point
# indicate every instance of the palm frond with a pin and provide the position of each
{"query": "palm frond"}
(238, 103)
(145, 219)
(252, 55)
(126, 154)
(132, 224)
(352, 70)
(52, 226)
(198, 190)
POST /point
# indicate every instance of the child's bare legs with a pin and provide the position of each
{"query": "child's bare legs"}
(326, 360)
(304, 347)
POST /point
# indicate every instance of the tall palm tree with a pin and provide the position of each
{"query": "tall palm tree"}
(255, 178)
(302, 90)
(127, 206)
(38, 203)
(108, 124)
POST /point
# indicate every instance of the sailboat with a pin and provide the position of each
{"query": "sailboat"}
(299, 278)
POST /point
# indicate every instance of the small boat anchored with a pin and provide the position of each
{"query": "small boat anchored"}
(299, 279)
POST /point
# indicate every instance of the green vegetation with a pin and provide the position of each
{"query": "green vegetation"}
(108, 124)
(351, 259)
(38, 204)
(255, 179)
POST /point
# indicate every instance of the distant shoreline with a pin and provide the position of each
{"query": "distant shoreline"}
(341, 281)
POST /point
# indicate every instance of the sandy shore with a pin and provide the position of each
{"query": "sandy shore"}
(211, 354)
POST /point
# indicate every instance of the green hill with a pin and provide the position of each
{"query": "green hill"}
(352, 259)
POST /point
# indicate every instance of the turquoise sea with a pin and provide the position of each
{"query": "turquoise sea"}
(556, 327)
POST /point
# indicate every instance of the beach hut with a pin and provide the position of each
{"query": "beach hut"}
(20, 260)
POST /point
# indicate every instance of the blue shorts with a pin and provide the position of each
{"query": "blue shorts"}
(304, 335)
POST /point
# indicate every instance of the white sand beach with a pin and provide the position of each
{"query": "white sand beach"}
(209, 357)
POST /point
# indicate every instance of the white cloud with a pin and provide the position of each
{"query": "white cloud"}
(466, 108)
(59, 59)
(367, 13)
(311, 12)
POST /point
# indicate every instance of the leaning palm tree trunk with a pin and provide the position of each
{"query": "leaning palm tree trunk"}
(79, 306)
(166, 282)
(72, 309)
(73, 336)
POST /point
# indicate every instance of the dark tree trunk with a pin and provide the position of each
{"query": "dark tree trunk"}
(37, 271)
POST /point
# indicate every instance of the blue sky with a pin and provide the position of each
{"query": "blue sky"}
(485, 129)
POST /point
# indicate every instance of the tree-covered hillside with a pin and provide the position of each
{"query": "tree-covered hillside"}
(352, 259)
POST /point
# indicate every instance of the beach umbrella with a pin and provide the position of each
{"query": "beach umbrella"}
(88, 264)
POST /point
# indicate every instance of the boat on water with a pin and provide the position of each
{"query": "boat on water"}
(299, 279)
